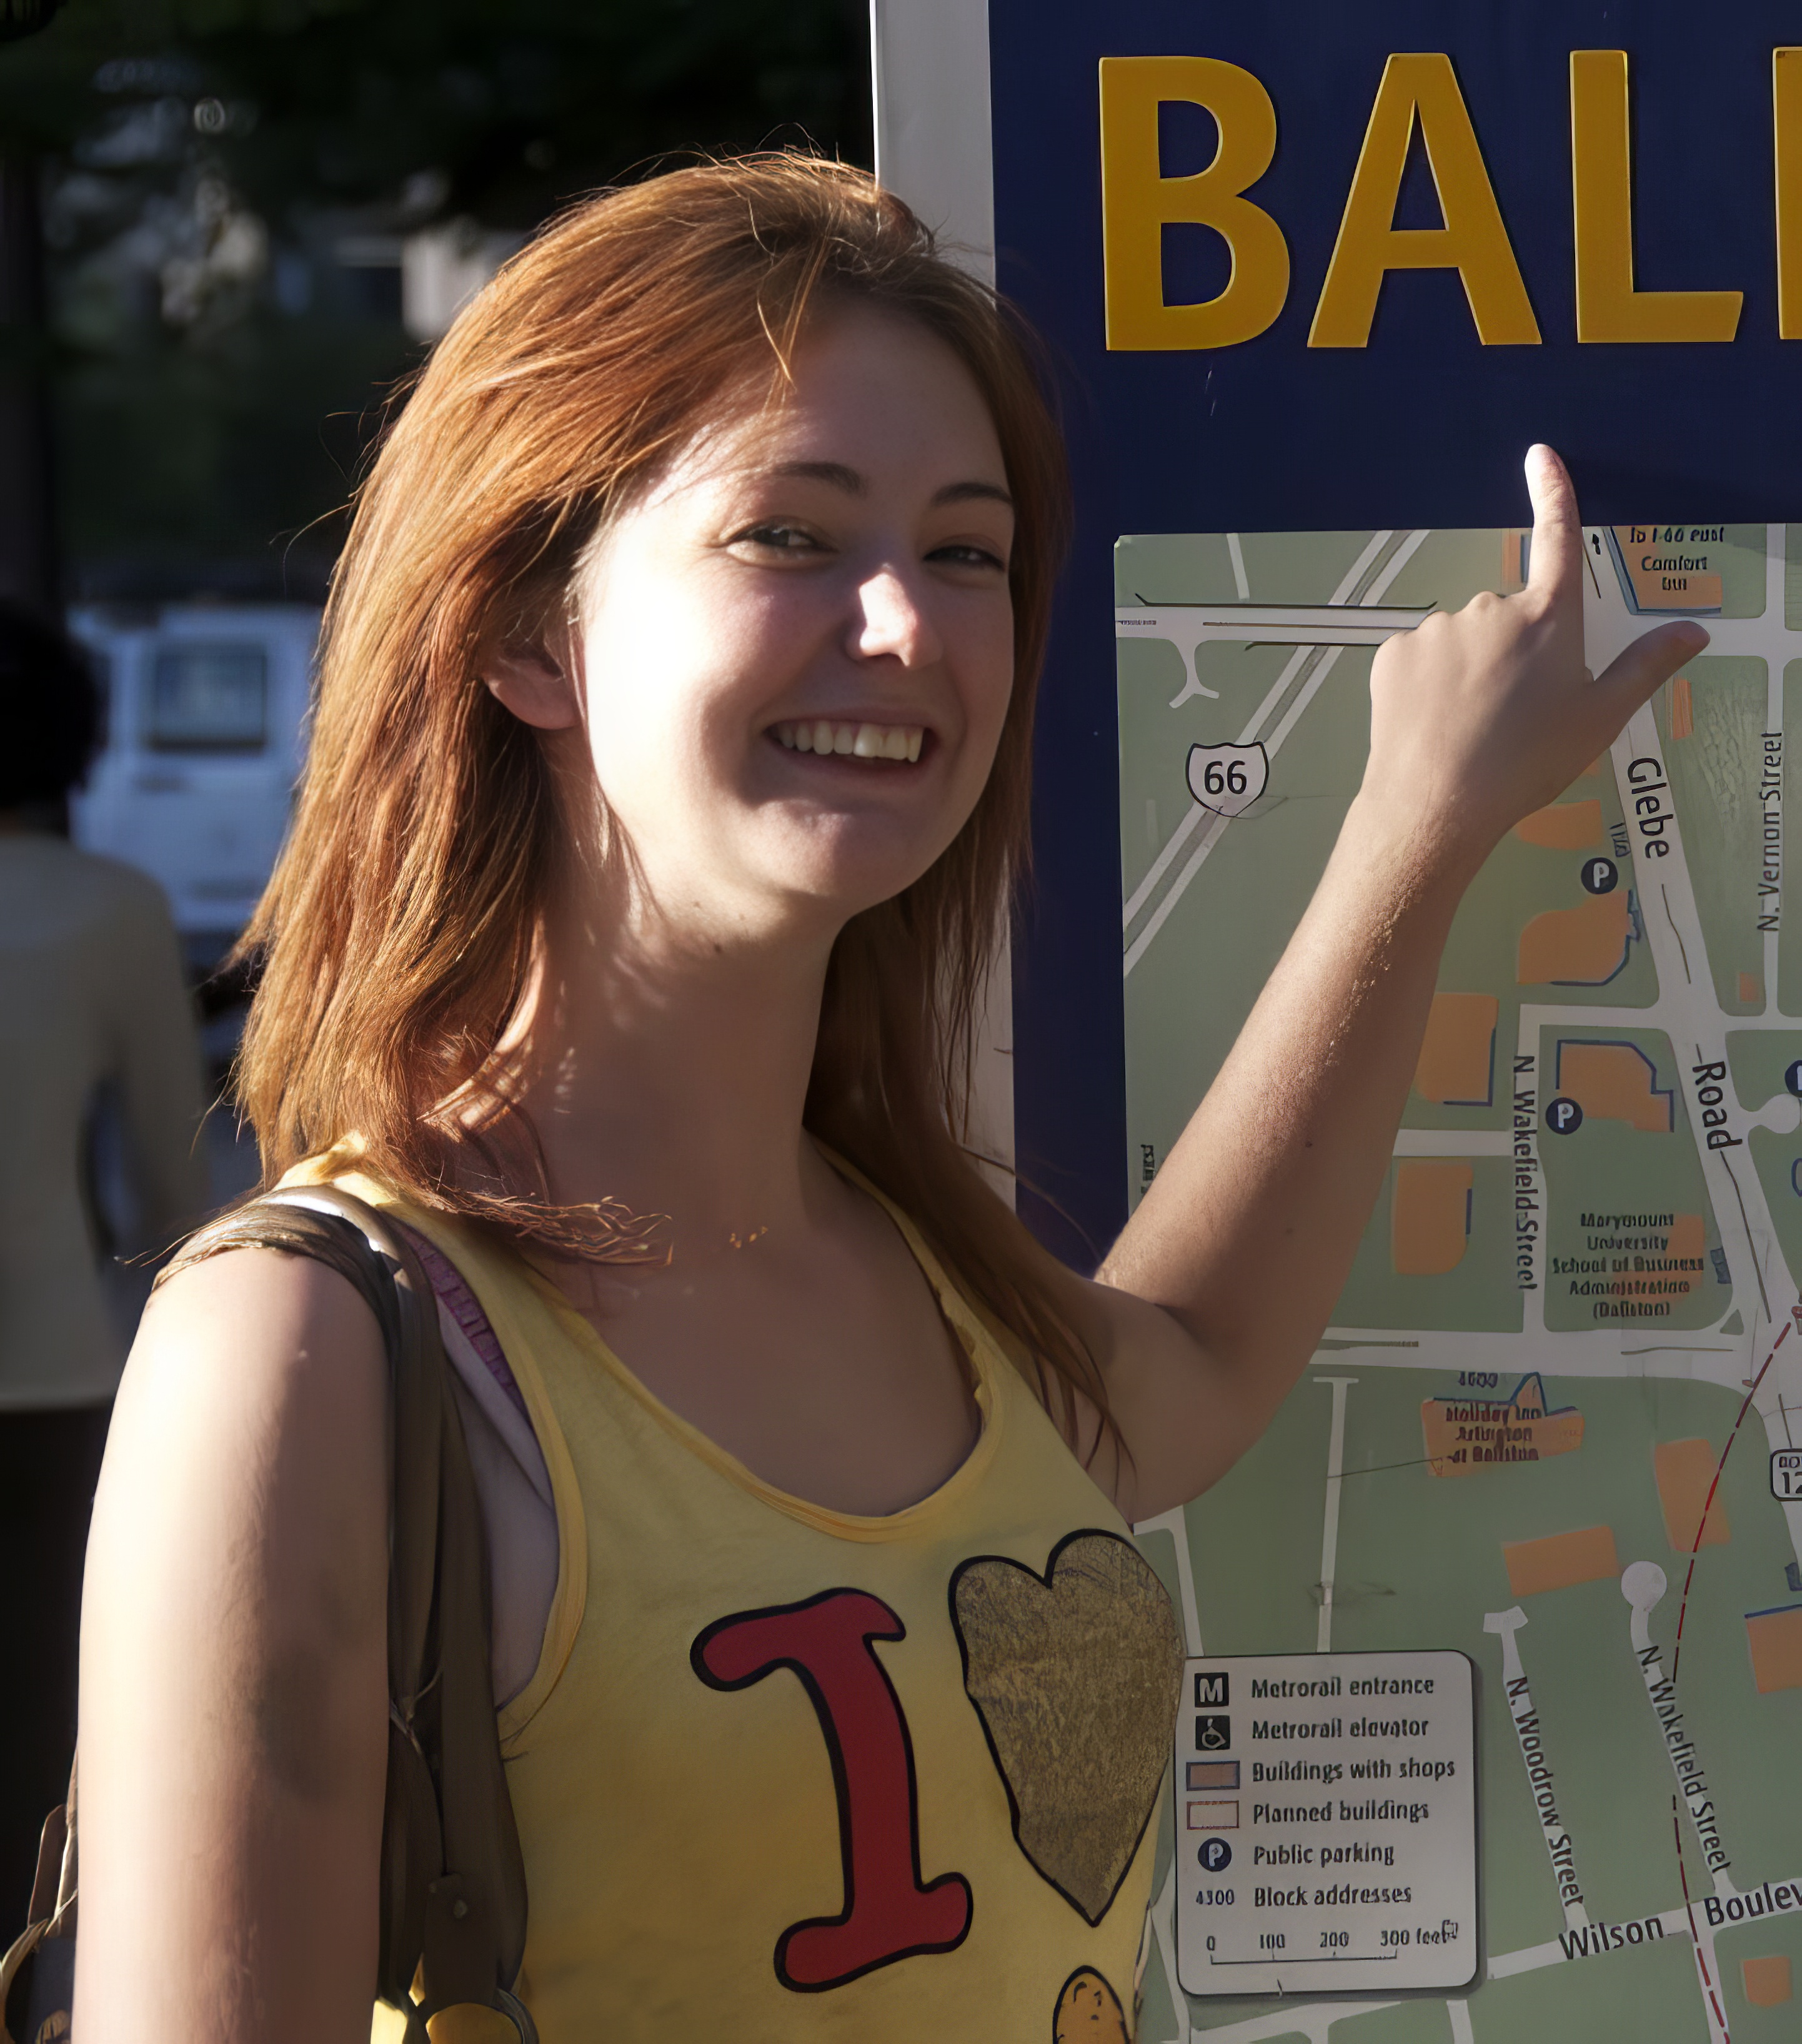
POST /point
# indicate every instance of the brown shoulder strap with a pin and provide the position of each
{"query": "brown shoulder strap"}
(453, 1898)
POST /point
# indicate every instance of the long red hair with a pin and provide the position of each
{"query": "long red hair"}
(402, 921)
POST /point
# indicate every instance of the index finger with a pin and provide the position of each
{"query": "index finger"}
(1555, 568)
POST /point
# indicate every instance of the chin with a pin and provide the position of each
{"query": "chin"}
(847, 873)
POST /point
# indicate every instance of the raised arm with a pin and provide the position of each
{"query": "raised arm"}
(234, 1677)
(1245, 1239)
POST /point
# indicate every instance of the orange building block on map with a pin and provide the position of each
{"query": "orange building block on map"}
(1457, 1063)
(1766, 1981)
(1661, 575)
(1465, 1433)
(1615, 1083)
(1775, 1637)
(1580, 946)
(1685, 1471)
(1429, 1215)
(1563, 827)
(1560, 1561)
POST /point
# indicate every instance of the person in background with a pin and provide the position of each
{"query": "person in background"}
(91, 999)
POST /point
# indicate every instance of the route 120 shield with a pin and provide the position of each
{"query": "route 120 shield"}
(1228, 778)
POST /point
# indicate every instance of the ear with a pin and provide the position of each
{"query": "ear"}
(527, 677)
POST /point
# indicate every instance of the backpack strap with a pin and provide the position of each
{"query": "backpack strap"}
(452, 1898)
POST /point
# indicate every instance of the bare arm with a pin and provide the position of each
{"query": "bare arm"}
(1215, 1295)
(234, 1680)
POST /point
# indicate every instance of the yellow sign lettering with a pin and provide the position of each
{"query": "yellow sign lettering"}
(1138, 202)
(1421, 88)
(1609, 307)
(1786, 126)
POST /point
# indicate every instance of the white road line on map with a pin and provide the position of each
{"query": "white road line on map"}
(1697, 1027)
(1392, 567)
(1179, 887)
(1173, 1523)
(1240, 583)
(1195, 816)
(1778, 1434)
(1529, 1174)
(1643, 1585)
(1453, 1143)
(1313, 2020)
(1458, 2014)
(1329, 1528)
(1529, 1736)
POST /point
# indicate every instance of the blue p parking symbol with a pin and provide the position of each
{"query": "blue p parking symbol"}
(1215, 1854)
(1563, 1117)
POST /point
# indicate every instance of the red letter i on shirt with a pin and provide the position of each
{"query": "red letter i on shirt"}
(889, 1913)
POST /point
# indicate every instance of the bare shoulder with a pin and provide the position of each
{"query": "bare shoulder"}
(1137, 1348)
(234, 1718)
(249, 1338)
(1175, 1426)
(247, 1463)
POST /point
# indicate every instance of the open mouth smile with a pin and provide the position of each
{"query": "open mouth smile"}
(899, 742)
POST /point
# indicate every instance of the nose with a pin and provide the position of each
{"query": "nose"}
(893, 620)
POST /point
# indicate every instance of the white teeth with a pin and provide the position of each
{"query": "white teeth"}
(853, 741)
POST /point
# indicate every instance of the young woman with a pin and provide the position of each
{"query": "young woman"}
(669, 782)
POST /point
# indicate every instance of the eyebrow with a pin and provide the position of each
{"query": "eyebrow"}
(847, 479)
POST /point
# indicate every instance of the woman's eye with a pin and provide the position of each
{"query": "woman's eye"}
(779, 538)
(965, 555)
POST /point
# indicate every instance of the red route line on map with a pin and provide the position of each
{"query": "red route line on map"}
(1677, 1656)
(1690, 1910)
(1708, 1504)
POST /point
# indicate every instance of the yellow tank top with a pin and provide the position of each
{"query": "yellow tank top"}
(784, 1774)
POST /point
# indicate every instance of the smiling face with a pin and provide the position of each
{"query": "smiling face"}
(796, 649)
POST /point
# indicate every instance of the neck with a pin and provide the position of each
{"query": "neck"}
(671, 1072)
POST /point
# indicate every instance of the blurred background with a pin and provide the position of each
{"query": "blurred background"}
(230, 231)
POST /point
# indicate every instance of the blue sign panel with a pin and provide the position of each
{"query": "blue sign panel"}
(1351, 262)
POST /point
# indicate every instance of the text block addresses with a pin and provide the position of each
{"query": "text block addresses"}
(1326, 1823)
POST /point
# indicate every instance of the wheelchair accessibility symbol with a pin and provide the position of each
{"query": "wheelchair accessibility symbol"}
(1213, 1735)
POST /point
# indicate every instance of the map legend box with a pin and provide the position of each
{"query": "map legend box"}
(1212, 1774)
(1213, 1816)
(1351, 1864)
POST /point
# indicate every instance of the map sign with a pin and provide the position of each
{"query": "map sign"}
(1326, 1806)
(1555, 1425)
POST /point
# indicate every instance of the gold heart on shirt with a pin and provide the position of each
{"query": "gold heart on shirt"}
(1076, 1675)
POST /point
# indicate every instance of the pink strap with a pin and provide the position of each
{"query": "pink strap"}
(466, 1310)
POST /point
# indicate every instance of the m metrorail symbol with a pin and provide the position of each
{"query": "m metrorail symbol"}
(1211, 1692)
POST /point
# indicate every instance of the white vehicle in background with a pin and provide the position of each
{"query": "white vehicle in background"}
(205, 736)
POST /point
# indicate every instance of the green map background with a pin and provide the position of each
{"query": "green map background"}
(1420, 1556)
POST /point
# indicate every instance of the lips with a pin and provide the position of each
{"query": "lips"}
(898, 742)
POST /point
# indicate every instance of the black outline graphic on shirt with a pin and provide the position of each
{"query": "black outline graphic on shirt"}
(841, 1784)
(1051, 1569)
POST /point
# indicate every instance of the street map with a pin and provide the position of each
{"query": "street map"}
(1553, 1425)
